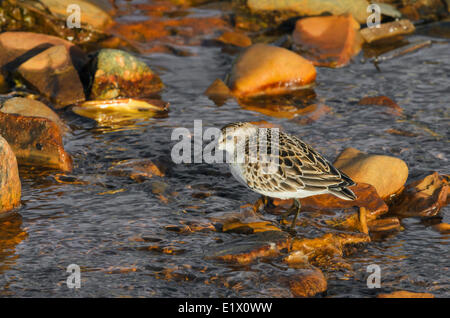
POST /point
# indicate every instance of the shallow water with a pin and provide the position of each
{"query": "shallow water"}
(107, 224)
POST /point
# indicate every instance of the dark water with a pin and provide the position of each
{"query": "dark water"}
(96, 222)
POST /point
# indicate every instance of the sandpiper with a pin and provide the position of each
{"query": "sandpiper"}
(288, 169)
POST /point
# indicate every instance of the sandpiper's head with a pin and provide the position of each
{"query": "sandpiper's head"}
(234, 134)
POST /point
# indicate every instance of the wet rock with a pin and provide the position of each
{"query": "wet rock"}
(249, 228)
(35, 141)
(234, 38)
(266, 70)
(384, 225)
(218, 92)
(294, 104)
(405, 294)
(95, 14)
(245, 251)
(256, 14)
(17, 47)
(12, 233)
(307, 283)
(137, 169)
(121, 109)
(367, 197)
(33, 108)
(387, 30)
(400, 132)
(422, 198)
(328, 41)
(320, 249)
(10, 187)
(4, 87)
(443, 228)
(387, 174)
(313, 113)
(52, 73)
(117, 73)
(382, 101)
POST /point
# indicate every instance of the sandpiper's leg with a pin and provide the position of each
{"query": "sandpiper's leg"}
(298, 206)
(289, 212)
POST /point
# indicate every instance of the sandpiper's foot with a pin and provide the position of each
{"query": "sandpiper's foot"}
(294, 209)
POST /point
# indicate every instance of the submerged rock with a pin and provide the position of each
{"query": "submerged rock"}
(33, 108)
(384, 225)
(10, 187)
(422, 198)
(266, 70)
(35, 141)
(137, 169)
(387, 174)
(116, 73)
(234, 38)
(52, 73)
(382, 101)
(305, 282)
(387, 30)
(245, 251)
(121, 109)
(405, 294)
(218, 92)
(328, 41)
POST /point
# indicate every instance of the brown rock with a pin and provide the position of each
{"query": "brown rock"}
(32, 108)
(35, 141)
(137, 169)
(384, 225)
(382, 101)
(387, 30)
(249, 228)
(328, 41)
(422, 198)
(405, 294)
(387, 174)
(245, 251)
(10, 186)
(265, 70)
(235, 38)
(443, 228)
(17, 47)
(52, 73)
(307, 283)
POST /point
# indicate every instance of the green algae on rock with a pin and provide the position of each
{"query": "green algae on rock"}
(10, 187)
(116, 73)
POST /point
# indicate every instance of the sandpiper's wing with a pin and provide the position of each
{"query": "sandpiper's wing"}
(300, 168)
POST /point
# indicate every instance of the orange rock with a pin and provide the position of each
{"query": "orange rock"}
(387, 174)
(250, 227)
(422, 198)
(35, 141)
(405, 294)
(10, 187)
(328, 41)
(443, 228)
(52, 73)
(137, 169)
(367, 197)
(218, 92)
(33, 108)
(266, 70)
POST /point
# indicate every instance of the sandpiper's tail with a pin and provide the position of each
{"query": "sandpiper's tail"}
(342, 191)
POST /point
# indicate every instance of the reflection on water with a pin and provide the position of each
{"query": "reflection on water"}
(152, 238)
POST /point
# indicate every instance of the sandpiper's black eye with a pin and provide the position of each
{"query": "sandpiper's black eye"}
(229, 137)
